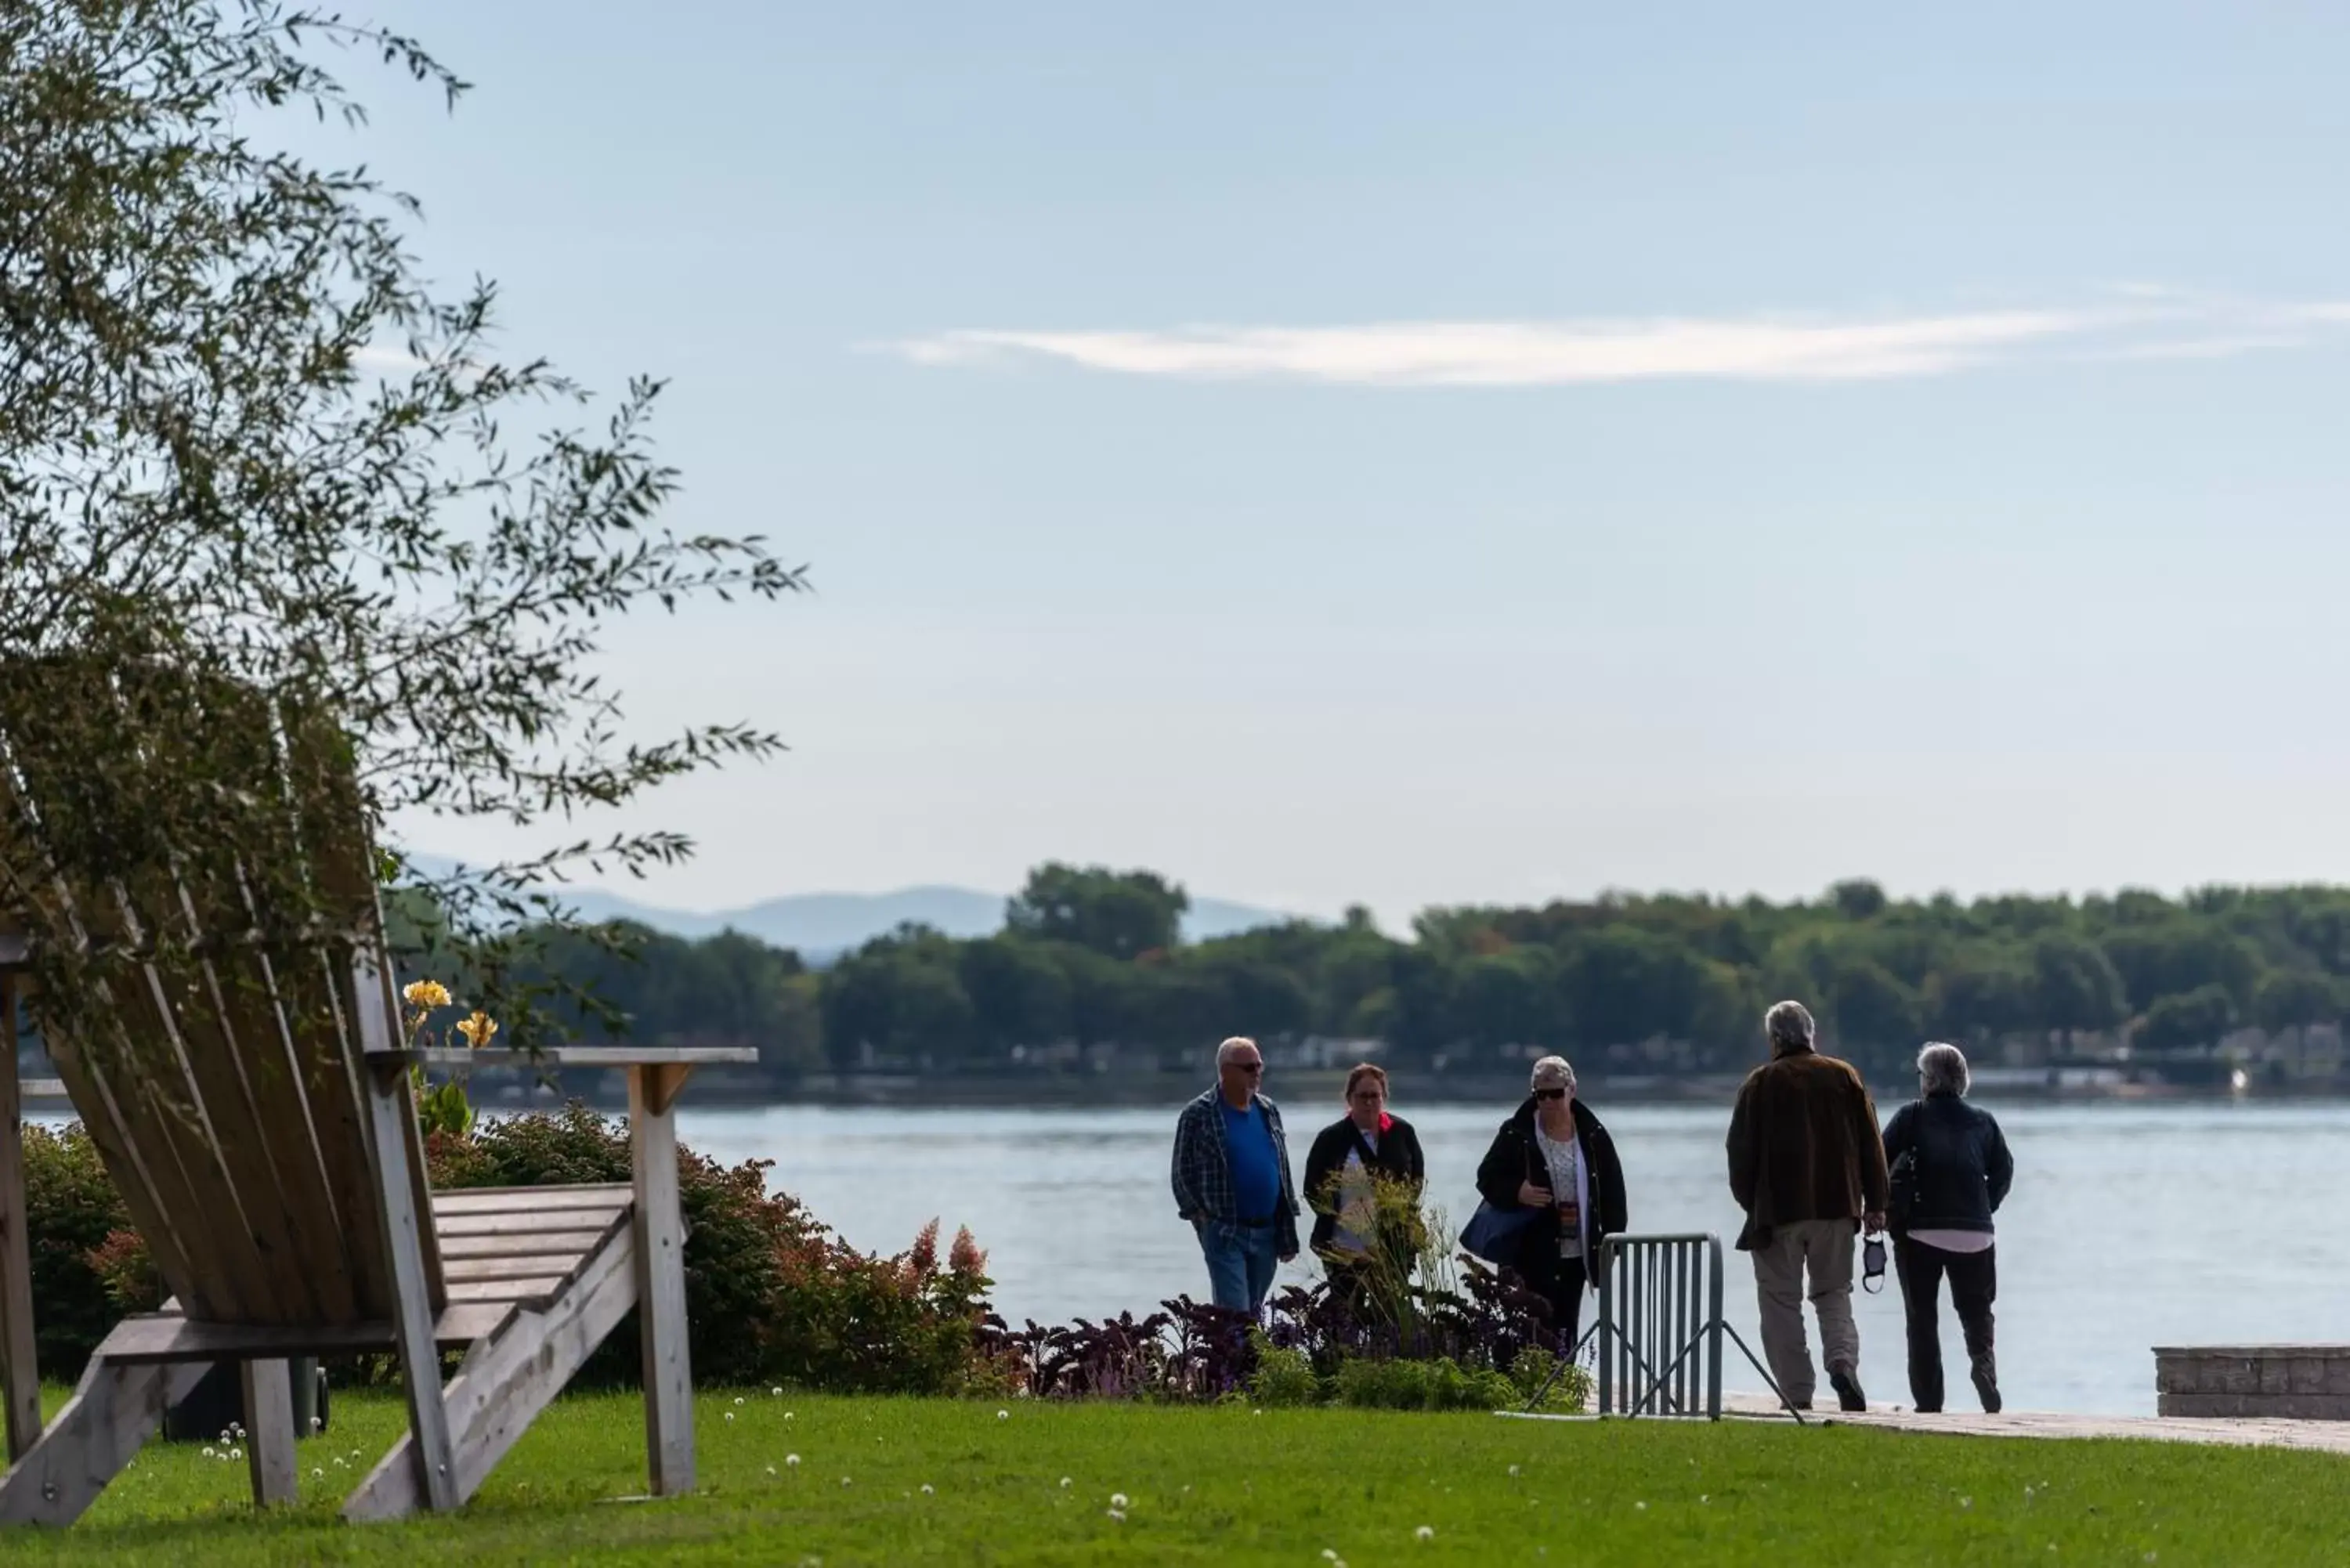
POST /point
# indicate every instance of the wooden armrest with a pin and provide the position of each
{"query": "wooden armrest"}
(41, 1088)
(568, 1056)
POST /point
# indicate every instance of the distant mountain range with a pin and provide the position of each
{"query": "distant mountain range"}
(821, 926)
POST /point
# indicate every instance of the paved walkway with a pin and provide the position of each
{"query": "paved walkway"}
(2324, 1437)
(2331, 1437)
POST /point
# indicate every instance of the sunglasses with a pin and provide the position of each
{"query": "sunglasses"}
(1252, 1068)
(1550, 1093)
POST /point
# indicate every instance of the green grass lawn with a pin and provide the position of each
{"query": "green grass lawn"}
(895, 1481)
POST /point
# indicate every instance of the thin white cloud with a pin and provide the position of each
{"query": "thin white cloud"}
(2146, 324)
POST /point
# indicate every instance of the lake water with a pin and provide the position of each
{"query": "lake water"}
(2129, 1226)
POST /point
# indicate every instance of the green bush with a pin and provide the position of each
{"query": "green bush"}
(1438, 1384)
(1532, 1370)
(1283, 1378)
(71, 1213)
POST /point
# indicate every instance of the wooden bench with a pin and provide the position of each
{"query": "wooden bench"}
(263, 1134)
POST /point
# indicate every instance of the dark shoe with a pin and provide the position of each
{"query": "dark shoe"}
(1848, 1387)
(1985, 1373)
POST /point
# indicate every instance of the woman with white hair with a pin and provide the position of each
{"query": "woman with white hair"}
(1950, 1171)
(1555, 1159)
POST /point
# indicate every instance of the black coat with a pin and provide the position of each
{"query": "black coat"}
(1398, 1156)
(1963, 1168)
(1514, 1157)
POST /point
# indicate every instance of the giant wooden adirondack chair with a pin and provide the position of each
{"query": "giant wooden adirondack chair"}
(261, 1130)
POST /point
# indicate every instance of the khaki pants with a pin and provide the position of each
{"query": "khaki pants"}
(1821, 1248)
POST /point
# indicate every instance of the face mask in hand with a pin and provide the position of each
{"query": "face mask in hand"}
(1872, 1264)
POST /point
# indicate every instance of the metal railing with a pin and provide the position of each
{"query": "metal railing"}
(1660, 1329)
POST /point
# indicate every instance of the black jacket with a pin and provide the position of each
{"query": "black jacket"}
(1398, 1156)
(1962, 1163)
(1515, 1158)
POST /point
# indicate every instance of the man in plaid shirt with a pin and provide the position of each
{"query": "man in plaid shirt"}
(1232, 1180)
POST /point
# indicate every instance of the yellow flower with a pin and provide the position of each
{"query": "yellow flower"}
(426, 993)
(478, 1029)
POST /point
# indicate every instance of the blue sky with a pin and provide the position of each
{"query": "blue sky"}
(1334, 453)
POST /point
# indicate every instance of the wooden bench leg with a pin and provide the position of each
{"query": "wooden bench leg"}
(392, 1124)
(507, 1379)
(117, 1407)
(269, 1432)
(660, 1278)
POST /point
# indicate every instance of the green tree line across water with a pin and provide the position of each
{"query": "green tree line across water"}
(1090, 957)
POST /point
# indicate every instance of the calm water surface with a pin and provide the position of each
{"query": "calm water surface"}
(2129, 1226)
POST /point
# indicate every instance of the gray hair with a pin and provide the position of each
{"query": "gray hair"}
(1553, 1073)
(1231, 1048)
(1942, 1069)
(1788, 1023)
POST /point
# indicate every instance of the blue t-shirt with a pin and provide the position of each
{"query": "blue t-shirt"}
(1256, 1178)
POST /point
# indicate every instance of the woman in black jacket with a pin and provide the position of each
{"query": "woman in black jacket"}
(1555, 1158)
(1348, 1160)
(1950, 1171)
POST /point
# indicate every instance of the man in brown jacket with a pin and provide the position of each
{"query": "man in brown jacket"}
(1807, 1165)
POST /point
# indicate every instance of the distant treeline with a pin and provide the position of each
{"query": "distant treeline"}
(1090, 958)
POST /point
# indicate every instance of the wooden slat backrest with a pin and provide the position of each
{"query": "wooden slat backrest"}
(228, 1111)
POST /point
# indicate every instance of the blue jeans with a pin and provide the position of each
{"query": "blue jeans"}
(1241, 1261)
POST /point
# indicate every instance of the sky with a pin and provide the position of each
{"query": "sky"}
(1338, 454)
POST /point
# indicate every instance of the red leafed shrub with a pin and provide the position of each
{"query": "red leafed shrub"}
(127, 1270)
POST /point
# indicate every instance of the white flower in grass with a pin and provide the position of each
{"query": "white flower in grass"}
(770, 1470)
(208, 1453)
(1426, 1533)
(927, 1489)
(1118, 1500)
(1004, 1415)
(1328, 1555)
(730, 1414)
(776, 1393)
(1116, 1516)
(1641, 1506)
(1514, 1472)
(1064, 1483)
(791, 1462)
(844, 1480)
